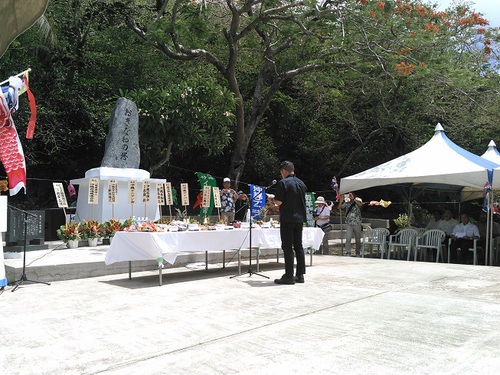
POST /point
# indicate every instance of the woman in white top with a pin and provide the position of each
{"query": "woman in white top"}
(321, 214)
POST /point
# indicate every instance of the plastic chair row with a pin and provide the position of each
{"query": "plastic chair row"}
(413, 240)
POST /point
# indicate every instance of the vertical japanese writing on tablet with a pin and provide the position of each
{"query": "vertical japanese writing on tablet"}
(93, 191)
(207, 190)
(216, 197)
(60, 195)
(185, 194)
(112, 192)
(132, 191)
(169, 200)
(160, 194)
(146, 190)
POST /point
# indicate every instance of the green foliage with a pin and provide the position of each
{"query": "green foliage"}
(194, 113)
(387, 77)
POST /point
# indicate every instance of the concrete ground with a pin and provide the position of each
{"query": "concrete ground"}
(352, 316)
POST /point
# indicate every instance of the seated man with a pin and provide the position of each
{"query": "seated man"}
(462, 238)
(447, 223)
(434, 220)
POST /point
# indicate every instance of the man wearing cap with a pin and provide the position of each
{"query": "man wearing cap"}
(228, 197)
(290, 197)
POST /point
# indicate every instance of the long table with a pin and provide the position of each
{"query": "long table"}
(165, 246)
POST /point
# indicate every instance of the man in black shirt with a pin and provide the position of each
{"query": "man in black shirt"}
(290, 197)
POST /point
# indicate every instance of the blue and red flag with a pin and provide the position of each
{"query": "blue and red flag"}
(257, 201)
(335, 187)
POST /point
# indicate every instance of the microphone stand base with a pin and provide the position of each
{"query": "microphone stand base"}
(250, 273)
(25, 278)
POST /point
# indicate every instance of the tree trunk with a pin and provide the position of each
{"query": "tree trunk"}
(165, 160)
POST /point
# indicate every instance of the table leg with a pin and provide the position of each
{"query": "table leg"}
(258, 253)
(311, 250)
(239, 261)
(130, 270)
(206, 260)
(223, 258)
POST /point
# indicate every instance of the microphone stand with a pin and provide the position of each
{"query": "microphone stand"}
(250, 270)
(23, 277)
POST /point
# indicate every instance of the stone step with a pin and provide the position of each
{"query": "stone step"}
(60, 263)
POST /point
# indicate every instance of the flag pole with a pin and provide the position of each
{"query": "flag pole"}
(17, 75)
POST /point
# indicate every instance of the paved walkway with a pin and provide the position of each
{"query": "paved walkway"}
(352, 316)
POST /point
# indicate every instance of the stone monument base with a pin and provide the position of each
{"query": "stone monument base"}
(122, 210)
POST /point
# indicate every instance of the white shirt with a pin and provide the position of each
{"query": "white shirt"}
(322, 211)
(447, 226)
(468, 230)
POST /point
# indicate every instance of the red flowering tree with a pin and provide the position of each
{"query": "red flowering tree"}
(258, 46)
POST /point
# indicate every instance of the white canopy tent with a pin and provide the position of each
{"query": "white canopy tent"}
(439, 161)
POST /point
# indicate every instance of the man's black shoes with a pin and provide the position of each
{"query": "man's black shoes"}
(290, 280)
(285, 280)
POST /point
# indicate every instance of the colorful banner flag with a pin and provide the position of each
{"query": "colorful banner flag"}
(257, 201)
(206, 179)
(11, 151)
(17, 85)
(335, 187)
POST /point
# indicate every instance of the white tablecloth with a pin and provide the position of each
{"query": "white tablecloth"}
(130, 246)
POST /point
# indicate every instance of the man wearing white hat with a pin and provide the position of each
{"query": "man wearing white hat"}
(228, 197)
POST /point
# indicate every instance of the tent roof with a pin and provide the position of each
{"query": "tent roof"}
(439, 161)
(493, 155)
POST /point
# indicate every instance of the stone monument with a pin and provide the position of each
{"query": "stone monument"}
(122, 143)
(120, 163)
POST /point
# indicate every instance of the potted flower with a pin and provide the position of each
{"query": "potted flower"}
(92, 231)
(70, 233)
(402, 221)
(110, 227)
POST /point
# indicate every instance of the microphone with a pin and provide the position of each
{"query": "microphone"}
(274, 182)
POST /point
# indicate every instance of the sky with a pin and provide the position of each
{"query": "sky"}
(489, 8)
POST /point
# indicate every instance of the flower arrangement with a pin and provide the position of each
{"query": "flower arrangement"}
(70, 231)
(402, 221)
(111, 227)
(92, 229)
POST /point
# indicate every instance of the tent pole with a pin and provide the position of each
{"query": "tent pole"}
(489, 229)
(341, 234)
(487, 234)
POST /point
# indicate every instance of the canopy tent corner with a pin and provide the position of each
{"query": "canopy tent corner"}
(439, 161)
